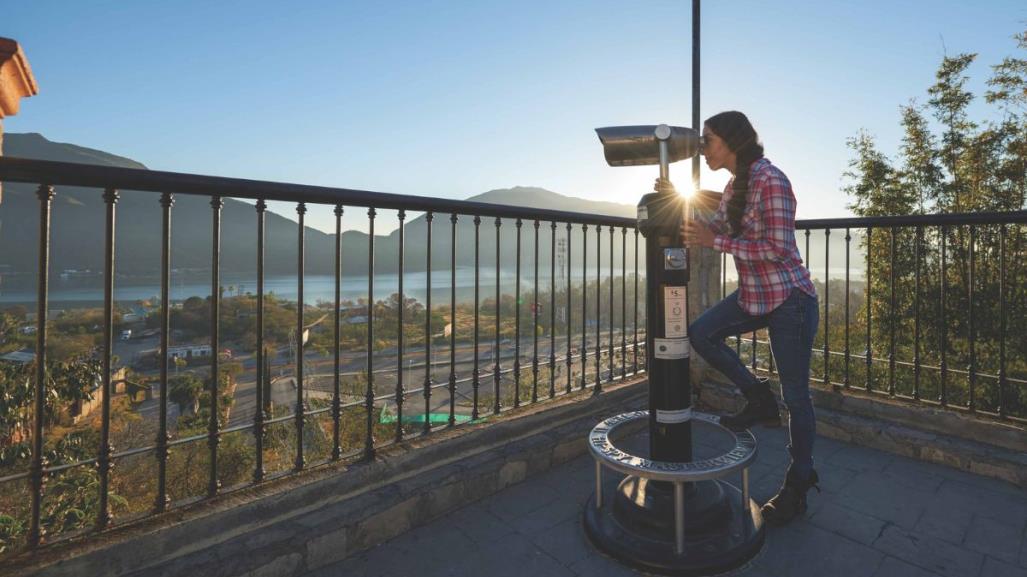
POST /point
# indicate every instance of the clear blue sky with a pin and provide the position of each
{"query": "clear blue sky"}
(453, 98)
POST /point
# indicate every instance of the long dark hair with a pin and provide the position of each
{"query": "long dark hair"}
(741, 138)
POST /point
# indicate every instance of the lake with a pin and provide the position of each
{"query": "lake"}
(87, 291)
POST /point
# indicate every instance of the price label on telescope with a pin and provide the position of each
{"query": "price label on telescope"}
(670, 349)
(674, 323)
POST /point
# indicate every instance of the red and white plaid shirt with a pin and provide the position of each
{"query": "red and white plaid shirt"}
(766, 257)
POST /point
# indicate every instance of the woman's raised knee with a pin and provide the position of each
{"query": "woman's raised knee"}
(696, 332)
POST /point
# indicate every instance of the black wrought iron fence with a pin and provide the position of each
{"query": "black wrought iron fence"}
(926, 308)
(59, 477)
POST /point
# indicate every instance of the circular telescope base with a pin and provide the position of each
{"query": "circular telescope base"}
(720, 534)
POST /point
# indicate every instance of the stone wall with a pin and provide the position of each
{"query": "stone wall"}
(943, 436)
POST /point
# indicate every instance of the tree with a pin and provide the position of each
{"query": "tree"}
(971, 166)
(185, 390)
(1009, 92)
(922, 175)
(875, 187)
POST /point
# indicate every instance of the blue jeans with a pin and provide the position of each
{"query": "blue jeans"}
(792, 326)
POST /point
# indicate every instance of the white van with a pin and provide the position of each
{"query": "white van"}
(126, 334)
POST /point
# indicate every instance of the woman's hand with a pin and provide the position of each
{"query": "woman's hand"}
(695, 233)
(665, 186)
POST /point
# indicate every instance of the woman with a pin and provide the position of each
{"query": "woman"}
(755, 223)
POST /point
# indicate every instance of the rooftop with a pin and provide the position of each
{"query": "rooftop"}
(879, 515)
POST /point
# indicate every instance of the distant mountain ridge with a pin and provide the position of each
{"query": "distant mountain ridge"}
(78, 228)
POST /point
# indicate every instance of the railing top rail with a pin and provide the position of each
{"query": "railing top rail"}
(963, 218)
(74, 174)
(14, 169)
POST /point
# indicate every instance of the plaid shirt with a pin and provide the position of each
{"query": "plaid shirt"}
(766, 256)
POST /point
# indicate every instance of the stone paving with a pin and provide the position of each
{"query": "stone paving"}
(879, 515)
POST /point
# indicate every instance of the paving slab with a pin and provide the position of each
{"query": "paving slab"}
(848, 523)
(945, 521)
(929, 553)
(892, 567)
(986, 499)
(521, 499)
(1023, 550)
(512, 556)
(994, 539)
(805, 549)
(566, 542)
(875, 495)
(479, 524)
(996, 568)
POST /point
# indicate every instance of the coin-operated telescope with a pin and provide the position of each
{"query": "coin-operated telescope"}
(659, 214)
(667, 273)
(670, 514)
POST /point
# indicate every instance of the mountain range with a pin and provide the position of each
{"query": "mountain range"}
(78, 218)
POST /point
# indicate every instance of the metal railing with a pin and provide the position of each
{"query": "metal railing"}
(298, 425)
(918, 311)
(916, 259)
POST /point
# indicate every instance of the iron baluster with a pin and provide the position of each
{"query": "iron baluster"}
(827, 306)
(517, 321)
(452, 321)
(337, 340)
(623, 303)
(584, 302)
(258, 415)
(892, 320)
(570, 331)
(609, 374)
(106, 453)
(723, 294)
(477, 300)
(45, 193)
(552, 311)
(496, 375)
(214, 426)
(972, 367)
(635, 323)
(534, 325)
(848, 244)
(300, 411)
(599, 317)
(162, 501)
(942, 313)
(1002, 322)
(868, 353)
(400, 392)
(916, 311)
(427, 329)
(369, 395)
(753, 352)
(809, 262)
